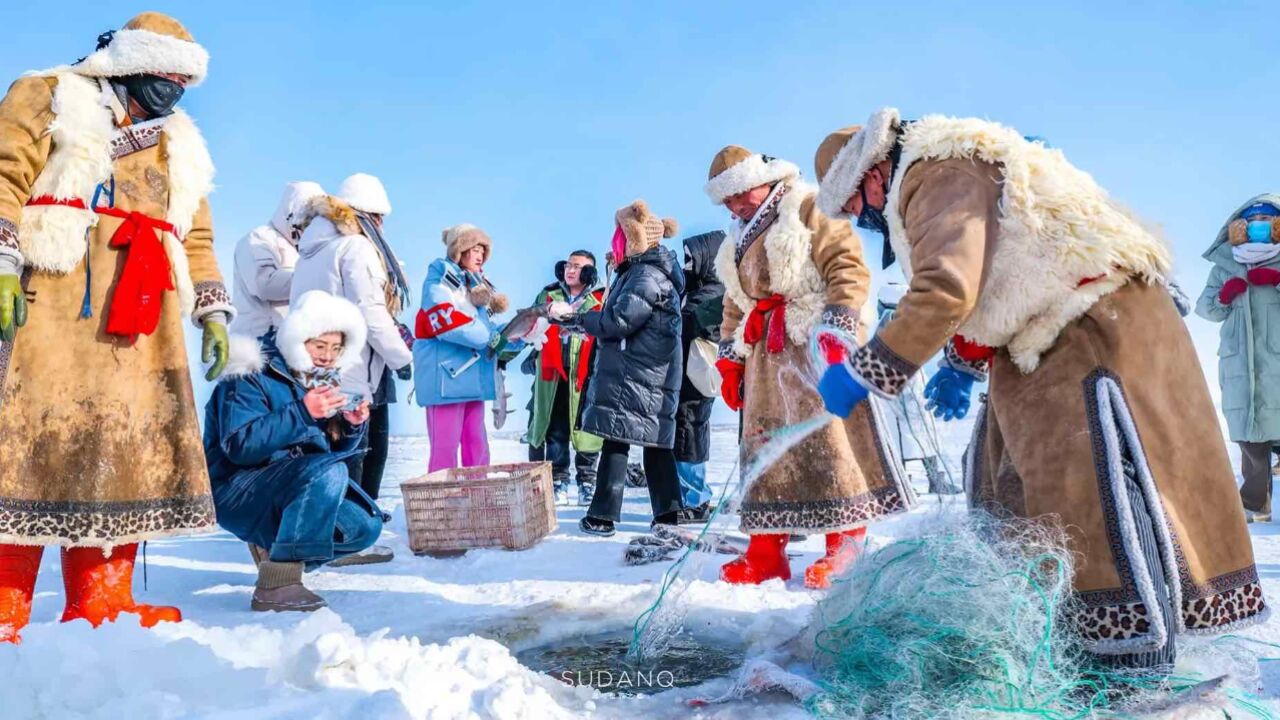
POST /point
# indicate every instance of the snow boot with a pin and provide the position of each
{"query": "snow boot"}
(280, 589)
(258, 553)
(596, 526)
(19, 565)
(765, 559)
(561, 490)
(666, 518)
(586, 491)
(99, 587)
(842, 549)
(372, 555)
(695, 515)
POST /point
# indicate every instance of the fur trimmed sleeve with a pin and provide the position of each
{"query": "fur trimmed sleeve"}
(951, 212)
(25, 115)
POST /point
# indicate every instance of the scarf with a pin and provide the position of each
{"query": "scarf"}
(1254, 253)
(398, 289)
(763, 218)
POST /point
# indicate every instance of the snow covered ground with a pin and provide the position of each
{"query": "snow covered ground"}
(418, 637)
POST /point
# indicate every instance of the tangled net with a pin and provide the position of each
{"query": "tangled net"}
(974, 619)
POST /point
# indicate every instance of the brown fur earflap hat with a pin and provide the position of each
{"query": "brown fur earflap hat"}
(457, 240)
(642, 228)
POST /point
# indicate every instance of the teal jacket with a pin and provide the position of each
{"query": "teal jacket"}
(1249, 342)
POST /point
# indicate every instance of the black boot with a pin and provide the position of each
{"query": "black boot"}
(596, 526)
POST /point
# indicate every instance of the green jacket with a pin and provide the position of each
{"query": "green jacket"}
(544, 391)
(1249, 342)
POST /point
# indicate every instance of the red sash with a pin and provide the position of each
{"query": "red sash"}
(768, 320)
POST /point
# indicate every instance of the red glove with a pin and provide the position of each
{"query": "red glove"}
(1263, 276)
(833, 349)
(1232, 289)
(731, 382)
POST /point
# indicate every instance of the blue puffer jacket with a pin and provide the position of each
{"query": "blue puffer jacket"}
(452, 362)
(257, 418)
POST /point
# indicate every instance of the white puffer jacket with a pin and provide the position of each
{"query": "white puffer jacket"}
(264, 263)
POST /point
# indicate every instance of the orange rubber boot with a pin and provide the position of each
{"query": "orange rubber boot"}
(99, 588)
(765, 559)
(19, 565)
(842, 549)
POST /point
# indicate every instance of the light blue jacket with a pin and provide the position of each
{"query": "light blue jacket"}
(456, 365)
(1249, 342)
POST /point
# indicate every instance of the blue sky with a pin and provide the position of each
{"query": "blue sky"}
(537, 120)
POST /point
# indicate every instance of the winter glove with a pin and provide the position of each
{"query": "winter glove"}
(405, 373)
(13, 307)
(1264, 276)
(497, 343)
(560, 310)
(833, 349)
(1231, 290)
(731, 374)
(214, 349)
(840, 392)
(948, 393)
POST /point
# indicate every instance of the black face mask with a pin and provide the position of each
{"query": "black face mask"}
(154, 94)
(872, 219)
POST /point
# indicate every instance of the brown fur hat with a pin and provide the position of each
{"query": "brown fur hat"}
(642, 228)
(460, 238)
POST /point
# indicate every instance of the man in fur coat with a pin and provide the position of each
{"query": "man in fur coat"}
(106, 245)
(1026, 271)
(788, 269)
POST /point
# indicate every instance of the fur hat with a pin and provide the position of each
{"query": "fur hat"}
(365, 193)
(292, 210)
(847, 154)
(150, 43)
(736, 170)
(642, 228)
(457, 240)
(314, 314)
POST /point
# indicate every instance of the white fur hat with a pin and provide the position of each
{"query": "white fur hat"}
(847, 154)
(293, 205)
(736, 169)
(314, 314)
(365, 193)
(149, 43)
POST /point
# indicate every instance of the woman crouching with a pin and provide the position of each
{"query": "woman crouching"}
(276, 432)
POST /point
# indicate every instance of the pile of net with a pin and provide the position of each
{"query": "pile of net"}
(972, 619)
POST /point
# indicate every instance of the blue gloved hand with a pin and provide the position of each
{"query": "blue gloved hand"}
(840, 392)
(948, 393)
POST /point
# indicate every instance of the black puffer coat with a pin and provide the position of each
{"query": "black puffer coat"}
(635, 382)
(704, 290)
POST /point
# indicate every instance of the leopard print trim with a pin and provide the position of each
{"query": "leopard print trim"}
(724, 350)
(9, 240)
(821, 516)
(841, 318)
(103, 523)
(977, 369)
(1225, 608)
(135, 138)
(880, 369)
(1108, 623)
(212, 297)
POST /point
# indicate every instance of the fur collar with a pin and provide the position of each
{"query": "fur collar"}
(1057, 227)
(245, 357)
(792, 272)
(52, 238)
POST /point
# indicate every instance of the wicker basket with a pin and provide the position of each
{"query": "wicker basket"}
(510, 506)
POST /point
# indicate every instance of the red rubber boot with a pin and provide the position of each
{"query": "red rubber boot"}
(842, 549)
(765, 559)
(99, 588)
(19, 565)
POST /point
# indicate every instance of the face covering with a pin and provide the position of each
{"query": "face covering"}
(619, 245)
(156, 95)
(872, 219)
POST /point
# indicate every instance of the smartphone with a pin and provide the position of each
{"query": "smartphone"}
(353, 402)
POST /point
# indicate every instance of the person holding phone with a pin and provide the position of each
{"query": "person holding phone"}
(277, 430)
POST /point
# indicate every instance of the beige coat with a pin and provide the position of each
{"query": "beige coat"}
(101, 444)
(843, 476)
(1119, 383)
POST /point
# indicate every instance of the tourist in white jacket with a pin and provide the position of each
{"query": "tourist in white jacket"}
(342, 252)
(264, 263)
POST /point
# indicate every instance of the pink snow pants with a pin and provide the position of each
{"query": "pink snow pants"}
(457, 424)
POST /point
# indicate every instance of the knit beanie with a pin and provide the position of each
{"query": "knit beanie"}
(642, 228)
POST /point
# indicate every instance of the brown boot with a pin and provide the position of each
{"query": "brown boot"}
(280, 589)
(259, 554)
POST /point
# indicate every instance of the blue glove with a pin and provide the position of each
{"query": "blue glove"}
(948, 393)
(840, 392)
